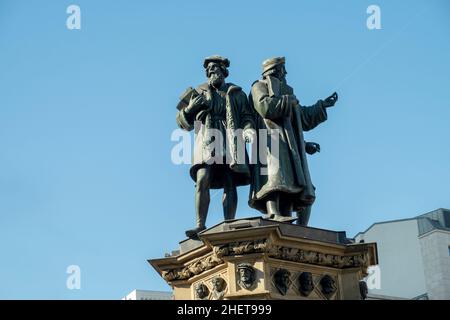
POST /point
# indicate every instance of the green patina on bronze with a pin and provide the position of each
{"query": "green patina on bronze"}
(280, 184)
(285, 186)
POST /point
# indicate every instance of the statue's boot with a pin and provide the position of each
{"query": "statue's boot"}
(193, 233)
(283, 219)
(303, 216)
(269, 216)
(274, 212)
(201, 221)
(280, 218)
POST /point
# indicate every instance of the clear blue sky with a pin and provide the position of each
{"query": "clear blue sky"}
(86, 117)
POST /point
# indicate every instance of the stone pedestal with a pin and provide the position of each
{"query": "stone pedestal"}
(256, 258)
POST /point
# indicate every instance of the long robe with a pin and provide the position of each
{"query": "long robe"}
(229, 110)
(288, 172)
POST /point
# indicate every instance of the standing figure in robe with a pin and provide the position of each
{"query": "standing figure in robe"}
(281, 183)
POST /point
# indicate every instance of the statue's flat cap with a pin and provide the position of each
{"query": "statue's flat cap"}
(216, 58)
(272, 63)
(245, 266)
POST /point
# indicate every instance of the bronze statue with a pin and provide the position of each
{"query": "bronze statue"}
(282, 280)
(306, 284)
(363, 289)
(286, 185)
(328, 285)
(217, 110)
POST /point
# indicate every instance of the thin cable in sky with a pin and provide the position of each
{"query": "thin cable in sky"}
(377, 51)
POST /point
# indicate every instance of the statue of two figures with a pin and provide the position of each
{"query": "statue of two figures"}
(273, 120)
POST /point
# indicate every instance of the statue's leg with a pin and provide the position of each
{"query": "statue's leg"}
(303, 216)
(286, 207)
(273, 205)
(202, 199)
(279, 208)
(230, 198)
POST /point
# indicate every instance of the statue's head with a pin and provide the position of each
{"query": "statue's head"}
(306, 284)
(328, 285)
(246, 275)
(275, 67)
(282, 281)
(218, 284)
(363, 289)
(216, 70)
(201, 291)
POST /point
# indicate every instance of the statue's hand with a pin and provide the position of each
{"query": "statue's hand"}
(312, 147)
(196, 104)
(331, 100)
(249, 135)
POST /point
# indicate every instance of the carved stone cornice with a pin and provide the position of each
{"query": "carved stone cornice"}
(192, 269)
(264, 246)
(294, 254)
(318, 258)
(242, 247)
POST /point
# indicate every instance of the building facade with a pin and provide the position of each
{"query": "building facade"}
(148, 295)
(414, 257)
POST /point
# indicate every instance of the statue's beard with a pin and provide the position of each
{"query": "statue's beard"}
(216, 80)
(281, 77)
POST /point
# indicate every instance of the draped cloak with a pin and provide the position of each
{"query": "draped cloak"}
(285, 171)
(228, 111)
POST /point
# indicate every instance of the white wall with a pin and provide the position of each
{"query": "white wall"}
(436, 260)
(148, 295)
(400, 258)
